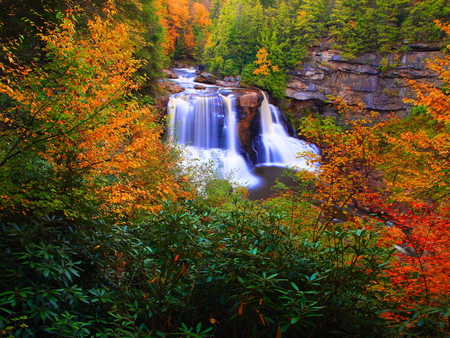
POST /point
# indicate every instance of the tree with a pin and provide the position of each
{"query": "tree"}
(71, 133)
(231, 45)
(397, 169)
(187, 24)
(148, 34)
(418, 26)
(416, 294)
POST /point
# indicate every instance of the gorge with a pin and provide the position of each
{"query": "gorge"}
(250, 135)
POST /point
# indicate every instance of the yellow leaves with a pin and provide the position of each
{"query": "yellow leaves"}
(179, 17)
(200, 15)
(444, 27)
(302, 17)
(93, 128)
(265, 65)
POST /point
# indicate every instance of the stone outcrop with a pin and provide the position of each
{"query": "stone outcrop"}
(169, 74)
(377, 82)
(248, 102)
(205, 77)
(227, 81)
(171, 87)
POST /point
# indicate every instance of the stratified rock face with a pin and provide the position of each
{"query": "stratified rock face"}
(377, 82)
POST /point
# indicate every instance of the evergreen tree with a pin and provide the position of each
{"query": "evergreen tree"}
(232, 42)
(419, 25)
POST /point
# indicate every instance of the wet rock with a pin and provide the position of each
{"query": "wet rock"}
(170, 87)
(205, 77)
(170, 74)
(248, 102)
(225, 83)
(180, 65)
(229, 79)
(199, 87)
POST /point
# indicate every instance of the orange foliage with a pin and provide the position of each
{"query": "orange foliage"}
(265, 65)
(401, 170)
(419, 276)
(180, 18)
(81, 117)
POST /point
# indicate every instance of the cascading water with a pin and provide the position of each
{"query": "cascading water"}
(185, 78)
(274, 146)
(207, 126)
(205, 121)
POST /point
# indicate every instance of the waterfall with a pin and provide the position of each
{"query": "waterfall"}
(274, 146)
(205, 122)
(207, 125)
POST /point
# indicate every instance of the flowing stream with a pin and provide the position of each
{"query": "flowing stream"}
(205, 121)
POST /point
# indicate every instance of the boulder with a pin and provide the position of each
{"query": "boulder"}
(170, 74)
(171, 87)
(205, 77)
(248, 102)
(222, 83)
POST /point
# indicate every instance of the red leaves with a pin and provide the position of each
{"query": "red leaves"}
(420, 272)
(400, 170)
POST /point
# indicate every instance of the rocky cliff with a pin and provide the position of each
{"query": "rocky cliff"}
(377, 82)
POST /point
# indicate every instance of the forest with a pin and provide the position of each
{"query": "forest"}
(108, 231)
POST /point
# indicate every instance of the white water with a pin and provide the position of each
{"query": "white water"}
(207, 126)
(205, 122)
(275, 147)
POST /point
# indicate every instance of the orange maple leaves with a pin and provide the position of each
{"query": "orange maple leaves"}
(399, 169)
(77, 114)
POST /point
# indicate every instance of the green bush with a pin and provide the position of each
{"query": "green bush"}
(192, 271)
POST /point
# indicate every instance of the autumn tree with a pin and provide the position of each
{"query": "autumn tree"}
(71, 131)
(421, 232)
(397, 170)
(187, 25)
